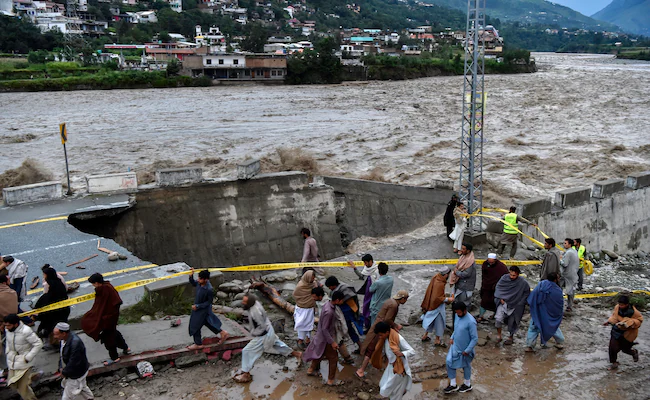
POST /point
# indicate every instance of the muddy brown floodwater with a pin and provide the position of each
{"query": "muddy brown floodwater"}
(580, 118)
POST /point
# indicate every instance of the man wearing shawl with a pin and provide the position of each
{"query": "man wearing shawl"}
(433, 306)
(387, 315)
(324, 345)
(393, 348)
(492, 270)
(570, 265)
(371, 274)
(202, 314)
(546, 310)
(510, 297)
(100, 323)
(551, 262)
(264, 339)
(625, 321)
(461, 348)
(350, 307)
(464, 275)
(303, 315)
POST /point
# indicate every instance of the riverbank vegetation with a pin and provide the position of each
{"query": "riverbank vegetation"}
(635, 55)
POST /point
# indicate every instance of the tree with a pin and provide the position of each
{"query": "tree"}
(255, 39)
(173, 67)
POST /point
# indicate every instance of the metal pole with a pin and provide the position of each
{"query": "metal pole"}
(67, 170)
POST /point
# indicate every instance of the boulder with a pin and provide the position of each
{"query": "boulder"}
(188, 361)
(113, 256)
(240, 296)
(611, 254)
(237, 304)
(230, 287)
(222, 295)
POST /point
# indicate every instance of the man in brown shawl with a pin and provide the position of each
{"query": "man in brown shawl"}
(433, 307)
(492, 271)
(303, 315)
(387, 314)
(100, 323)
(552, 259)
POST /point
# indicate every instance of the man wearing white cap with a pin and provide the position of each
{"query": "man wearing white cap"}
(73, 364)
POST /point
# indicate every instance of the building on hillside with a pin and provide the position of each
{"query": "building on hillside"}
(176, 5)
(237, 66)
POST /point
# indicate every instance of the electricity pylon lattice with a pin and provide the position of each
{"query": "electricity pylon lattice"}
(471, 153)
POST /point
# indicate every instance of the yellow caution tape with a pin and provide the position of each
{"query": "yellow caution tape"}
(258, 267)
(119, 271)
(37, 221)
(608, 294)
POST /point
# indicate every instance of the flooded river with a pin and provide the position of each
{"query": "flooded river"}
(580, 119)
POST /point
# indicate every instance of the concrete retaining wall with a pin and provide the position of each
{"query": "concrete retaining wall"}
(124, 182)
(32, 193)
(368, 208)
(226, 223)
(179, 176)
(258, 220)
(617, 219)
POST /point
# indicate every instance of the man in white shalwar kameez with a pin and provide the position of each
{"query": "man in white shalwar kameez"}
(397, 378)
(264, 339)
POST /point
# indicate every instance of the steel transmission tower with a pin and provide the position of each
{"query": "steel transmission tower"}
(471, 152)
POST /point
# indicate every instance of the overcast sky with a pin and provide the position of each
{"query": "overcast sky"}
(587, 7)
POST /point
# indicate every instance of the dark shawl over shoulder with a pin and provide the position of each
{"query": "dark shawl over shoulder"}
(105, 311)
(489, 279)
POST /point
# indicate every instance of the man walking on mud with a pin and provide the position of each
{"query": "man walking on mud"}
(510, 232)
(309, 252)
(202, 314)
(625, 321)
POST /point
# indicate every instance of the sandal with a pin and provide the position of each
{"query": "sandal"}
(243, 378)
(336, 383)
(126, 351)
(111, 362)
(426, 339)
(508, 342)
(362, 377)
(613, 367)
(315, 374)
(223, 338)
(349, 361)
(441, 344)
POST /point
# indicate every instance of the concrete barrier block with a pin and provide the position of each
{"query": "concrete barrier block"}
(179, 176)
(124, 182)
(638, 180)
(606, 188)
(442, 184)
(248, 169)
(32, 193)
(572, 197)
(532, 207)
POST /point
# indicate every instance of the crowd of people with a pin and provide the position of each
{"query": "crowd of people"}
(370, 325)
(23, 338)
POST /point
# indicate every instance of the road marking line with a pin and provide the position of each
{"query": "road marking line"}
(36, 221)
(58, 246)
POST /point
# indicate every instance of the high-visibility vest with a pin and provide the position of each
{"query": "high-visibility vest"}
(510, 218)
(581, 255)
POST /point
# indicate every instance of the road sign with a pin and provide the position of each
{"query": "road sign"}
(64, 133)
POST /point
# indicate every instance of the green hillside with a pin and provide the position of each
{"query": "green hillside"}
(533, 12)
(631, 15)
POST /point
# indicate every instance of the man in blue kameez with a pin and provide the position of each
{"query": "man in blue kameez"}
(202, 314)
(461, 348)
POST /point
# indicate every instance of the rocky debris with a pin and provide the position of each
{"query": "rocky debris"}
(146, 318)
(610, 254)
(239, 296)
(230, 287)
(288, 287)
(188, 361)
(237, 304)
(281, 276)
(363, 396)
(113, 256)
(222, 295)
